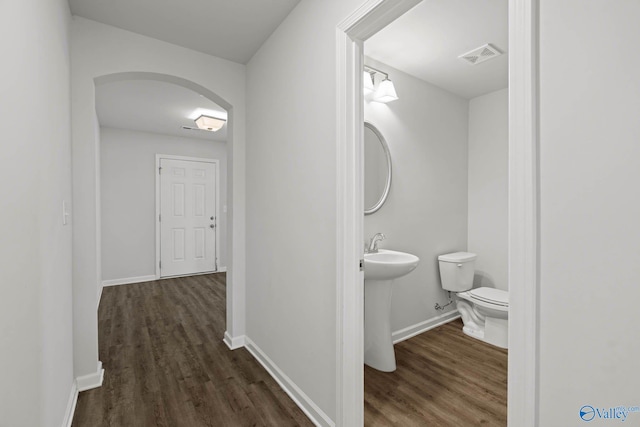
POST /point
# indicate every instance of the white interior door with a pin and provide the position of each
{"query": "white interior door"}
(187, 217)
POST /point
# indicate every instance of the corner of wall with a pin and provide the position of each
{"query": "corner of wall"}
(91, 381)
(71, 405)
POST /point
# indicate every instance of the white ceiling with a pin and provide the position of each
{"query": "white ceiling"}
(230, 29)
(427, 40)
(153, 106)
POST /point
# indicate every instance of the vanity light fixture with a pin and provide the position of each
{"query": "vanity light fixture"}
(385, 92)
(209, 123)
(367, 78)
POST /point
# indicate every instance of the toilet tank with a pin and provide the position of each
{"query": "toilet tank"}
(456, 271)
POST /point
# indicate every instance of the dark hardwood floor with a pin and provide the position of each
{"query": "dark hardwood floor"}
(444, 378)
(166, 365)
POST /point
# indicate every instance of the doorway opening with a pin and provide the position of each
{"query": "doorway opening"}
(198, 144)
(522, 206)
(163, 202)
(445, 123)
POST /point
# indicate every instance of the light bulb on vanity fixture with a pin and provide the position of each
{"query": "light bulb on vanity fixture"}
(385, 92)
(368, 86)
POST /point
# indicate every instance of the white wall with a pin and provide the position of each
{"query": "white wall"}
(589, 227)
(100, 50)
(488, 186)
(36, 365)
(98, 201)
(128, 194)
(426, 211)
(291, 197)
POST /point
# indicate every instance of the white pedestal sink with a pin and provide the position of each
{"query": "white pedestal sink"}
(380, 269)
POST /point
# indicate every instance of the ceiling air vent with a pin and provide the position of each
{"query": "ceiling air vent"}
(481, 54)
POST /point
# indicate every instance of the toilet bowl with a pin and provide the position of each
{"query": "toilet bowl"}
(483, 318)
(484, 311)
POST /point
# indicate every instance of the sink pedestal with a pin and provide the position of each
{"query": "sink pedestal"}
(378, 344)
(380, 270)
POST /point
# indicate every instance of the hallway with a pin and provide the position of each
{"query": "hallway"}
(166, 365)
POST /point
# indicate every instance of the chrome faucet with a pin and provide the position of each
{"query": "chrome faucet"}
(373, 244)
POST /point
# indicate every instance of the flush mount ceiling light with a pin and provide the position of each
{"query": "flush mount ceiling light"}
(385, 92)
(209, 123)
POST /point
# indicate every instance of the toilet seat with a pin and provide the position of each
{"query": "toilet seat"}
(490, 296)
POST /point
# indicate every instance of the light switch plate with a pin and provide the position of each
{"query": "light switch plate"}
(65, 213)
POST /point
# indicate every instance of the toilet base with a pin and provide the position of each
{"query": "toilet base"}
(496, 332)
(491, 330)
(473, 333)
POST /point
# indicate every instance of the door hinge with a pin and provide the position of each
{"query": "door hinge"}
(361, 265)
(160, 264)
(159, 169)
(159, 217)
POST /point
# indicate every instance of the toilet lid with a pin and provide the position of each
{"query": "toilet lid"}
(491, 295)
(457, 257)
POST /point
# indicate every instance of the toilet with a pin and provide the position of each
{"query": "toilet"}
(484, 311)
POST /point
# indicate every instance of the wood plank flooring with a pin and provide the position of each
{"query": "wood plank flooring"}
(166, 365)
(444, 378)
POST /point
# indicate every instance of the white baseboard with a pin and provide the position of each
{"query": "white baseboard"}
(129, 280)
(311, 410)
(233, 342)
(150, 278)
(418, 328)
(71, 406)
(87, 382)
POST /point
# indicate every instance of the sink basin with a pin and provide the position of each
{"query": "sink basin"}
(388, 265)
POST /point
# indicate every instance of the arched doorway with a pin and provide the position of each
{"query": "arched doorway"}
(87, 224)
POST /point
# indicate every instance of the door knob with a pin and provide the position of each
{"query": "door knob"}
(212, 226)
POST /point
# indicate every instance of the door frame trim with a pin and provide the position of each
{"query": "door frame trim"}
(524, 215)
(217, 189)
(351, 33)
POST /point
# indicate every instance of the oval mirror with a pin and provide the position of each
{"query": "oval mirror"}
(377, 169)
